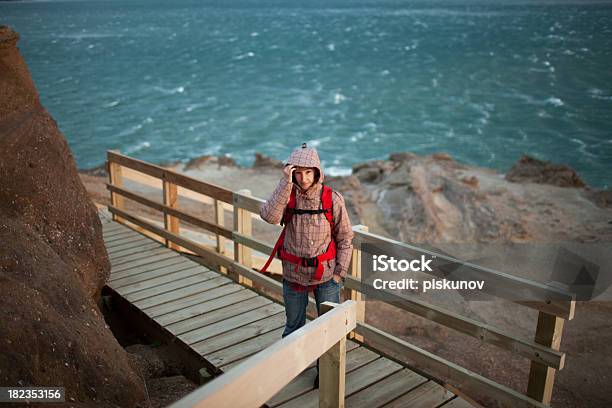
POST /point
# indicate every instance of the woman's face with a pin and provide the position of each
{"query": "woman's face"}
(304, 177)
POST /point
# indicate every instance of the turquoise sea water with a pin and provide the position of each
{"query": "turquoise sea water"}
(481, 80)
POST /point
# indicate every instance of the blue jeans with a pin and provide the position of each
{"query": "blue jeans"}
(296, 303)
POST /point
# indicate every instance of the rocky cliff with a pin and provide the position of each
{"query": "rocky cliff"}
(53, 262)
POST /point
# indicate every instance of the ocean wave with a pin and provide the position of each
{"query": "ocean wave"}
(338, 171)
(111, 104)
(179, 89)
(243, 56)
(138, 147)
(554, 101)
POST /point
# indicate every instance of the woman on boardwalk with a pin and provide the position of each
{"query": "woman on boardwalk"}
(315, 246)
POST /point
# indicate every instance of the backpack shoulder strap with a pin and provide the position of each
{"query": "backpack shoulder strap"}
(289, 209)
(328, 204)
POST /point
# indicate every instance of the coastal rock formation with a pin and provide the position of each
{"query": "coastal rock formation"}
(434, 199)
(53, 262)
(531, 170)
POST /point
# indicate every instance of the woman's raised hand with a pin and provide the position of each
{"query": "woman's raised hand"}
(288, 172)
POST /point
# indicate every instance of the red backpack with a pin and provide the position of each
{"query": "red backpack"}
(290, 211)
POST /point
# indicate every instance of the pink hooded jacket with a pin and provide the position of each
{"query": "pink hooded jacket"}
(309, 235)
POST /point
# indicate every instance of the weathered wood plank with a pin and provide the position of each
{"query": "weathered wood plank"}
(229, 324)
(167, 287)
(355, 381)
(142, 254)
(429, 394)
(245, 349)
(438, 367)
(205, 307)
(386, 389)
(180, 293)
(240, 334)
(184, 302)
(457, 403)
(269, 368)
(162, 280)
(145, 276)
(134, 250)
(135, 244)
(148, 268)
(126, 240)
(151, 260)
(217, 315)
(356, 357)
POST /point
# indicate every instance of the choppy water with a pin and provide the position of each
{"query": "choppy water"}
(358, 79)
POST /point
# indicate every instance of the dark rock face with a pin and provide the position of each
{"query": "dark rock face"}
(53, 262)
(528, 169)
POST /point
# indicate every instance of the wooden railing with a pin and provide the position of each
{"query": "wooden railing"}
(261, 376)
(543, 351)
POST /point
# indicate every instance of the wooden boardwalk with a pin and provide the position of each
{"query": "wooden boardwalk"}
(226, 323)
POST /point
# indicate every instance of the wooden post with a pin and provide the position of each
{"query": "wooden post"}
(542, 377)
(243, 225)
(332, 376)
(220, 221)
(116, 179)
(357, 296)
(171, 223)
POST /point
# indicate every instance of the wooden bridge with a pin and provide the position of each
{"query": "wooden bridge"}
(223, 316)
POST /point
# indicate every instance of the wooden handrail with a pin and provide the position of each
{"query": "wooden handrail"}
(261, 376)
(543, 351)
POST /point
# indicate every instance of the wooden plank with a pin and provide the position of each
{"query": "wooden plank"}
(244, 349)
(240, 334)
(152, 267)
(161, 280)
(542, 378)
(429, 394)
(187, 182)
(113, 226)
(356, 357)
(142, 254)
(142, 277)
(544, 297)
(386, 390)
(209, 256)
(168, 287)
(135, 244)
(457, 403)
(188, 301)
(357, 296)
(242, 253)
(151, 260)
(121, 242)
(229, 324)
(253, 382)
(180, 293)
(135, 250)
(355, 381)
(115, 177)
(218, 315)
(113, 235)
(175, 212)
(124, 236)
(247, 202)
(437, 367)
(205, 307)
(332, 371)
(484, 332)
(171, 223)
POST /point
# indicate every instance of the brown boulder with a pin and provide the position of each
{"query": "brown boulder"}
(53, 262)
(531, 170)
